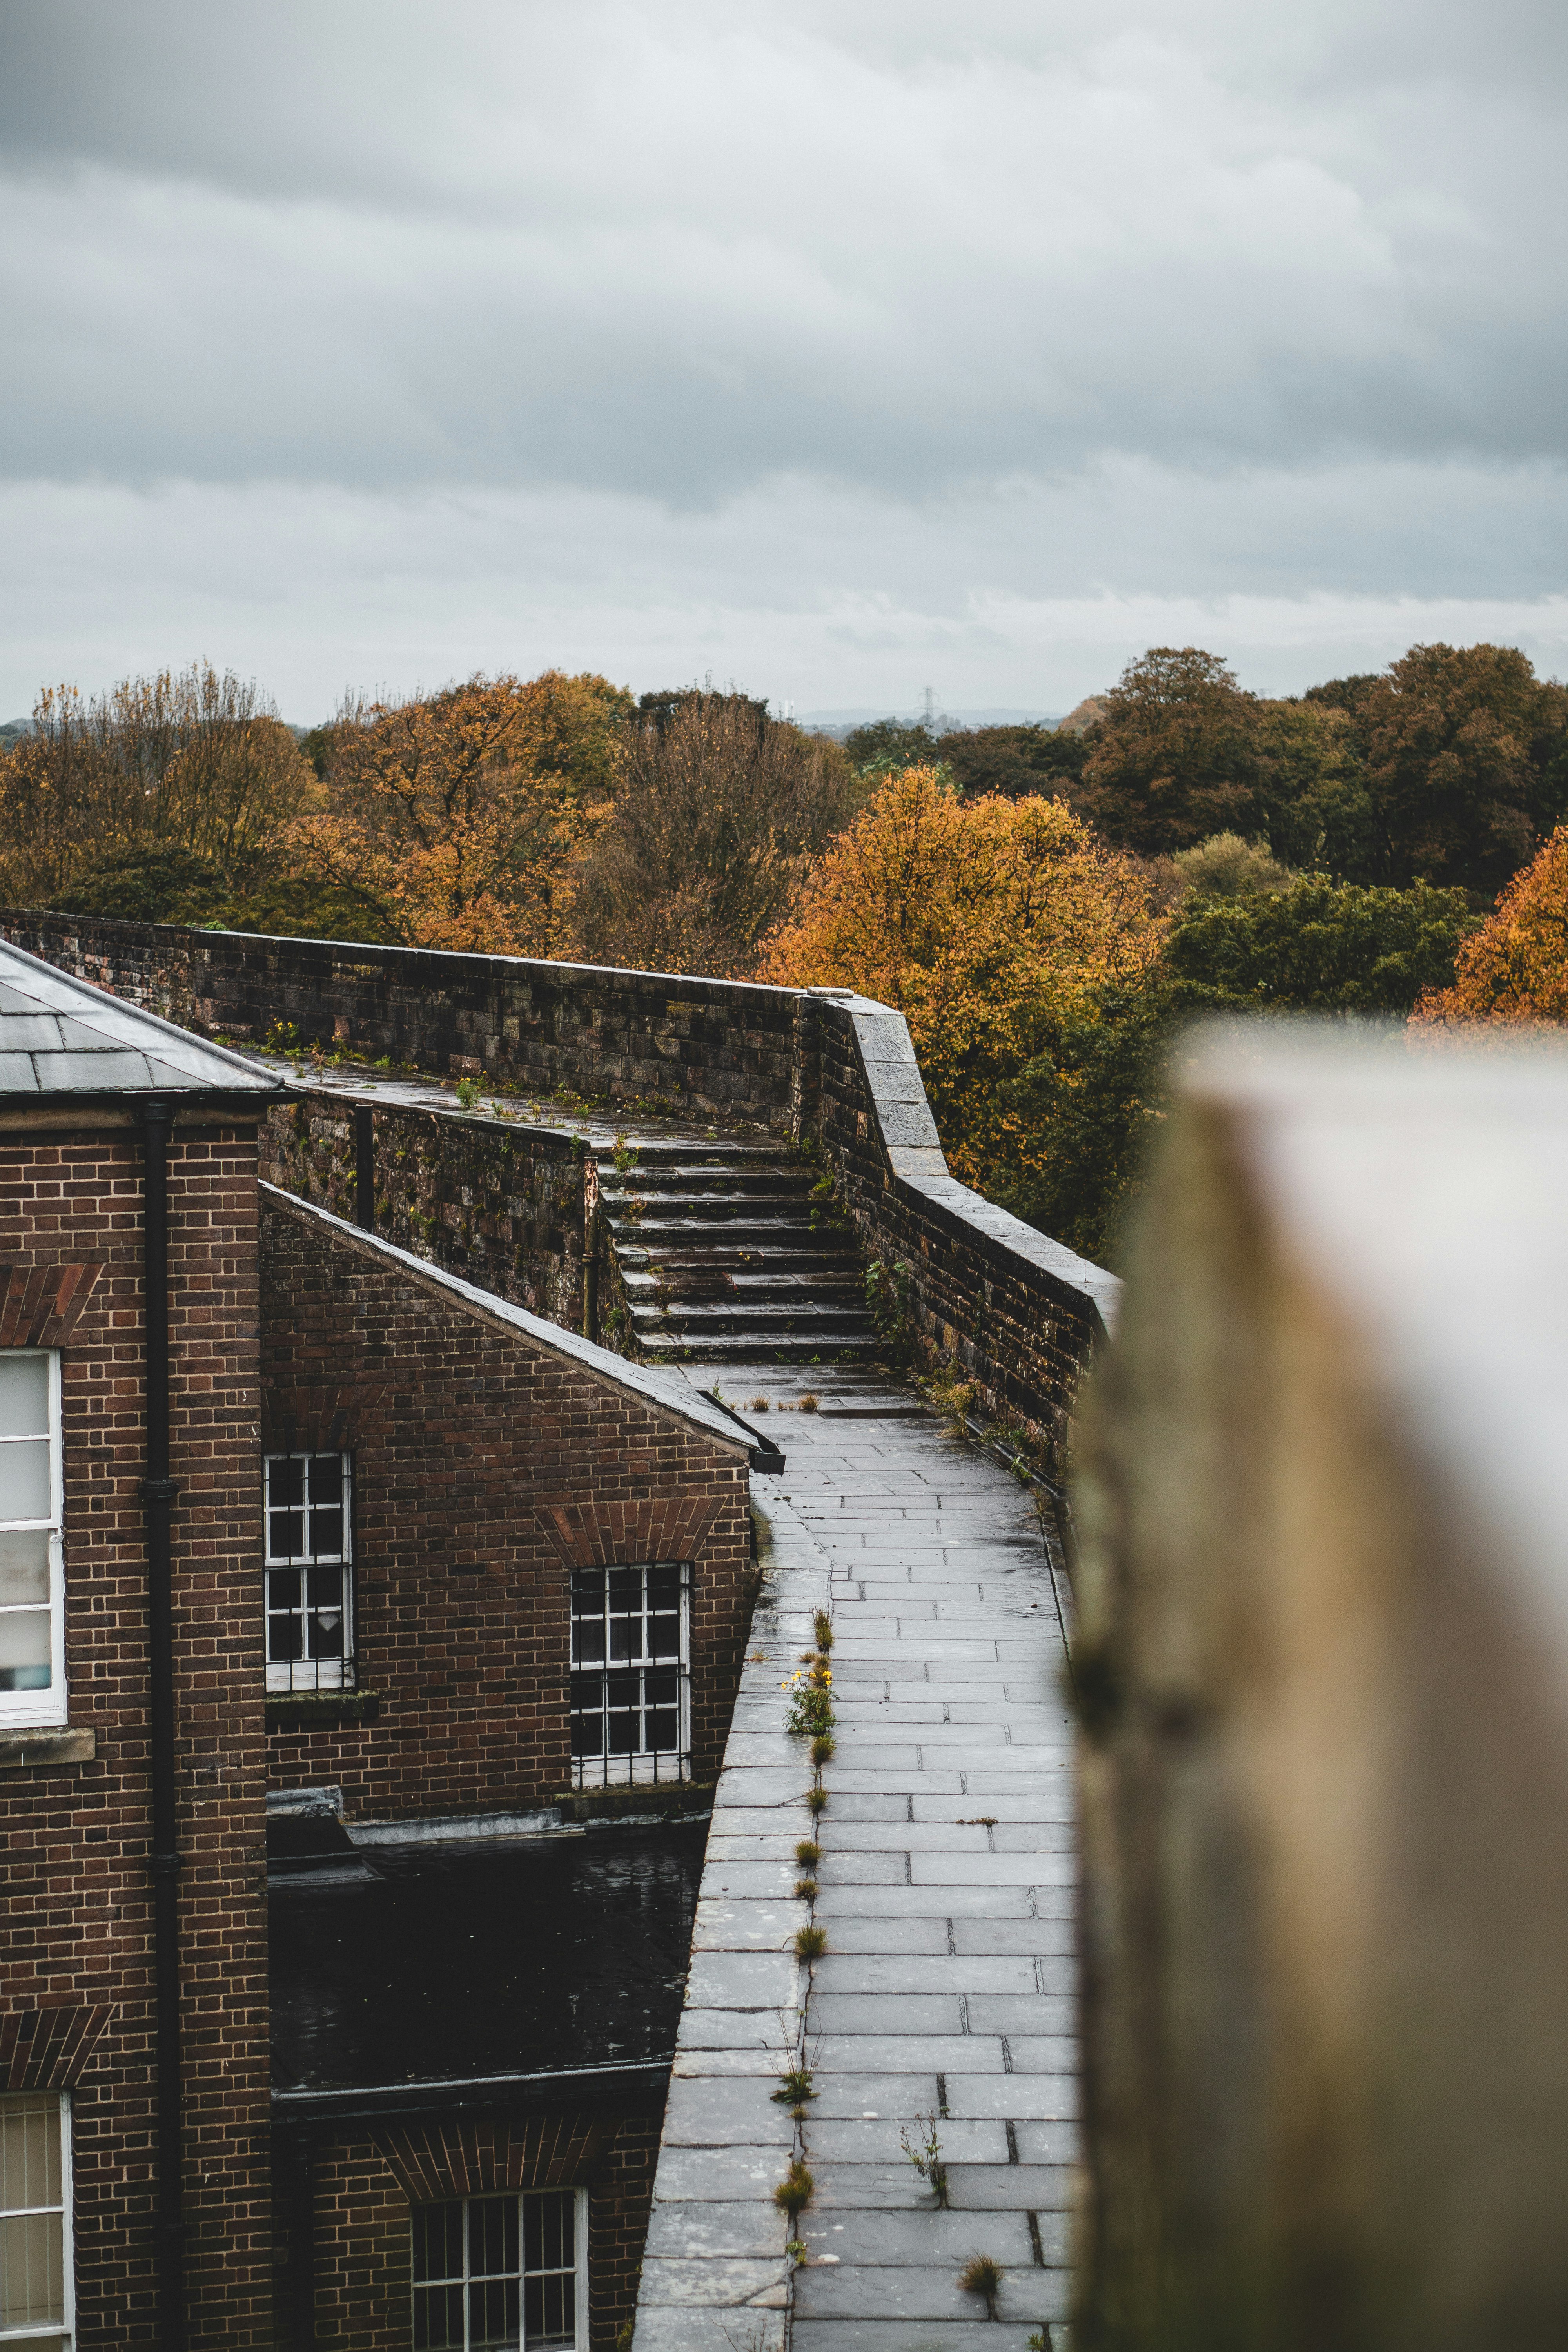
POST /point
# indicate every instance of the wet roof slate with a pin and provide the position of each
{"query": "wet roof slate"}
(443, 1964)
(59, 1036)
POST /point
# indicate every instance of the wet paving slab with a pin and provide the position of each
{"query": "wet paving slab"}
(944, 2001)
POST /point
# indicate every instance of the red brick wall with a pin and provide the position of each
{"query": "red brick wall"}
(484, 1465)
(364, 2186)
(76, 1925)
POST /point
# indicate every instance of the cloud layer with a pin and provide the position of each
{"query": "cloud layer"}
(349, 340)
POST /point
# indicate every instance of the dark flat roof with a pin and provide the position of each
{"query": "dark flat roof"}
(445, 1966)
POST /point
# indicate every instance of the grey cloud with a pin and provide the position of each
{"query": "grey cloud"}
(832, 345)
(673, 254)
(1005, 593)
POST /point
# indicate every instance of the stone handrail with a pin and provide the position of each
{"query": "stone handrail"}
(1014, 1311)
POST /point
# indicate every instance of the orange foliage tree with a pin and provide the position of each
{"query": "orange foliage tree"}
(984, 922)
(1515, 968)
(463, 810)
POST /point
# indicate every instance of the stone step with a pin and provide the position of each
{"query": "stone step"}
(760, 1316)
(720, 1198)
(718, 1282)
(753, 1348)
(726, 1222)
(738, 1258)
(704, 1172)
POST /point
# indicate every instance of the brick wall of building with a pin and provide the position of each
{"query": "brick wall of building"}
(367, 2180)
(77, 1927)
(485, 1467)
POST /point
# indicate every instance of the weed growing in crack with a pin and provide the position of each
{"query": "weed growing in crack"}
(982, 2275)
(925, 2154)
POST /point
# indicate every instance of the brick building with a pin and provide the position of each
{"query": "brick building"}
(307, 1547)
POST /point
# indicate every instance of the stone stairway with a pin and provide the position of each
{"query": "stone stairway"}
(722, 1252)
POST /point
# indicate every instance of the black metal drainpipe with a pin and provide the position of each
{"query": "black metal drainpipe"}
(364, 1167)
(159, 1492)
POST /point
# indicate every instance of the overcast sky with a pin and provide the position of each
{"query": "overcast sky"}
(830, 346)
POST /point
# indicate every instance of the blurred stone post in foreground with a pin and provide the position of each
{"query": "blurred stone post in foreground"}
(1323, 1668)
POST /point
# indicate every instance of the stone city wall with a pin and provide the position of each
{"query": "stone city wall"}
(1012, 1310)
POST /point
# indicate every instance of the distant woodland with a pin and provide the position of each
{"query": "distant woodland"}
(1048, 907)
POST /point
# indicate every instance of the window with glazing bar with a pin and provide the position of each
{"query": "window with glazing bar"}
(631, 1674)
(502, 2274)
(309, 1506)
(37, 2300)
(32, 1576)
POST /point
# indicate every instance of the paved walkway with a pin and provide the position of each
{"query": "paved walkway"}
(946, 1991)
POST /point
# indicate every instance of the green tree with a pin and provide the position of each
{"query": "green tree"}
(889, 746)
(1091, 1092)
(1315, 800)
(1177, 756)
(1466, 758)
(1322, 946)
(1013, 760)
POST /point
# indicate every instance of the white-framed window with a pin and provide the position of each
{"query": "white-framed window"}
(32, 1572)
(631, 1673)
(37, 2300)
(309, 1509)
(507, 2273)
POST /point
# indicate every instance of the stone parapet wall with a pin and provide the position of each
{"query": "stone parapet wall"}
(715, 1046)
(1014, 1312)
(497, 1203)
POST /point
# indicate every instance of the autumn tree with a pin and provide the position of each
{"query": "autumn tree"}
(462, 810)
(191, 771)
(979, 920)
(718, 812)
(1514, 967)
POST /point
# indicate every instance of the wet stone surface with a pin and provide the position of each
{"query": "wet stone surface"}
(506, 1955)
(945, 1892)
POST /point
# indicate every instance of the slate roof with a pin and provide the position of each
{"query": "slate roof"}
(61, 1036)
(436, 1968)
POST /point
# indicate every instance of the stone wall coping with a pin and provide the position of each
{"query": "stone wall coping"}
(666, 1391)
(917, 1162)
(715, 2271)
(368, 954)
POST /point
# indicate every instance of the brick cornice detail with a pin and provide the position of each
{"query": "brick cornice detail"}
(475, 2158)
(48, 2049)
(317, 1419)
(39, 1304)
(601, 1535)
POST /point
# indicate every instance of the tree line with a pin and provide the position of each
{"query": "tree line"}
(1048, 907)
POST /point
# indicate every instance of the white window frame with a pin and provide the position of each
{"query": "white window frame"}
(44, 1707)
(304, 1674)
(62, 2332)
(637, 1765)
(579, 2248)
